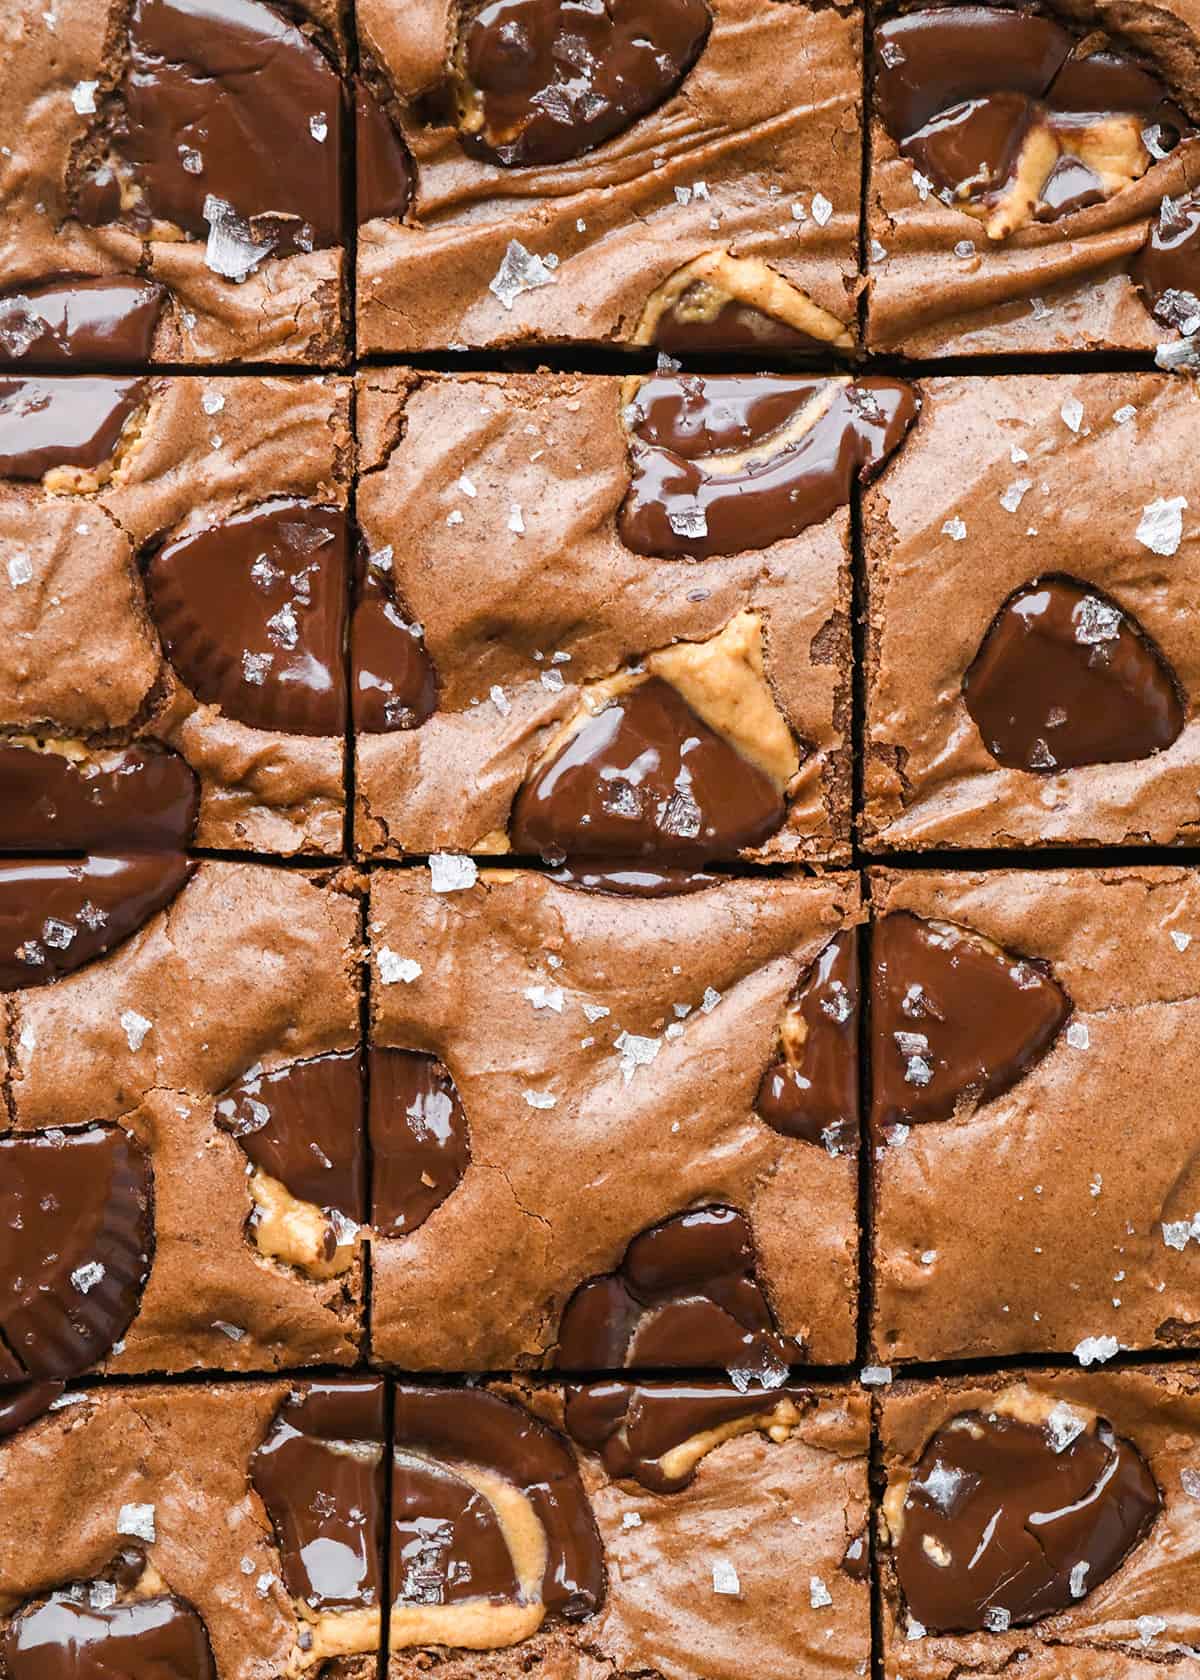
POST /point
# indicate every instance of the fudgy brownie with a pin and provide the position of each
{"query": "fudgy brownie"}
(609, 619)
(1033, 649)
(177, 558)
(675, 172)
(626, 1104)
(1035, 1175)
(1033, 178)
(1043, 1522)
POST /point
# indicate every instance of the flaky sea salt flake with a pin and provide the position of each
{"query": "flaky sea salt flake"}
(725, 1578)
(20, 570)
(1096, 1350)
(137, 1520)
(394, 969)
(136, 1027)
(86, 1277)
(451, 872)
(83, 97)
(231, 252)
(822, 209)
(1072, 414)
(1160, 528)
(520, 271)
(819, 1595)
(541, 1099)
(1012, 497)
(955, 529)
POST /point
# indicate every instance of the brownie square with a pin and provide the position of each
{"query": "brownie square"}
(728, 138)
(1033, 1071)
(177, 558)
(1032, 180)
(172, 179)
(1033, 653)
(1073, 1493)
(566, 1091)
(687, 1529)
(189, 1100)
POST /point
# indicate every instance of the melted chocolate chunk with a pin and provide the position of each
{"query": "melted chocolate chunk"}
(953, 1016)
(393, 685)
(419, 1139)
(1167, 269)
(633, 1427)
(691, 327)
(47, 423)
(253, 617)
(76, 1232)
(66, 1638)
(24, 1405)
(972, 148)
(542, 81)
(142, 798)
(1004, 1523)
(383, 168)
(723, 464)
(633, 880)
(465, 1428)
(645, 777)
(686, 1293)
(1064, 677)
(56, 915)
(320, 1474)
(300, 1125)
(1071, 185)
(811, 1090)
(104, 322)
(230, 100)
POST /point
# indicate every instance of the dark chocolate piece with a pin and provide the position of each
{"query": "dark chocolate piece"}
(1167, 269)
(420, 1144)
(56, 915)
(1007, 1521)
(141, 798)
(67, 1638)
(645, 777)
(1071, 185)
(393, 682)
(252, 613)
(686, 329)
(104, 322)
(811, 1090)
(633, 880)
(686, 1293)
(542, 81)
(952, 1016)
(723, 464)
(320, 1474)
(301, 1125)
(76, 1231)
(47, 423)
(1110, 81)
(972, 148)
(465, 1428)
(22, 1406)
(447, 1540)
(383, 168)
(1064, 677)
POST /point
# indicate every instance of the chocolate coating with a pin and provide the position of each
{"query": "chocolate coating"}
(811, 1090)
(1018, 1521)
(383, 168)
(61, 1638)
(22, 1406)
(393, 682)
(447, 1541)
(252, 613)
(473, 1427)
(542, 81)
(716, 470)
(1167, 268)
(1064, 677)
(47, 423)
(140, 798)
(103, 322)
(953, 1016)
(76, 1232)
(420, 1144)
(686, 1293)
(735, 326)
(645, 777)
(300, 1124)
(320, 1474)
(56, 915)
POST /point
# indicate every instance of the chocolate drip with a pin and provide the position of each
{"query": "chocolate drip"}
(1065, 677)
(65, 1638)
(1006, 1521)
(46, 423)
(724, 464)
(633, 880)
(141, 798)
(22, 1406)
(543, 81)
(383, 167)
(300, 1125)
(252, 613)
(953, 1016)
(394, 685)
(76, 1232)
(686, 1293)
(104, 322)
(419, 1139)
(811, 1090)
(1167, 269)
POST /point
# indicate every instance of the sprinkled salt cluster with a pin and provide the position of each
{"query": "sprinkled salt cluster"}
(1095, 1350)
(635, 1052)
(451, 872)
(875, 1376)
(914, 1047)
(136, 1027)
(1160, 528)
(521, 271)
(1096, 621)
(393, 967)
(546, 997)
(1149, 1628)
(137, 1520)
(1177, 1233)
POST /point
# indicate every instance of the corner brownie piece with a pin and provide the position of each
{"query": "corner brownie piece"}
(182, 1169)
(1033, 177)
(630, 1117)
(1033, 1072)
(1033, 654)
(567, 572)
(677, 1529)
(674, 172)
(207, 1533)
(174, 192)
(1044, 1521)
(177, 555)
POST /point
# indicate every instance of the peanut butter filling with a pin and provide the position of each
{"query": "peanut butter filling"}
(777, 1422)
(702, 288)
(284, 1228)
